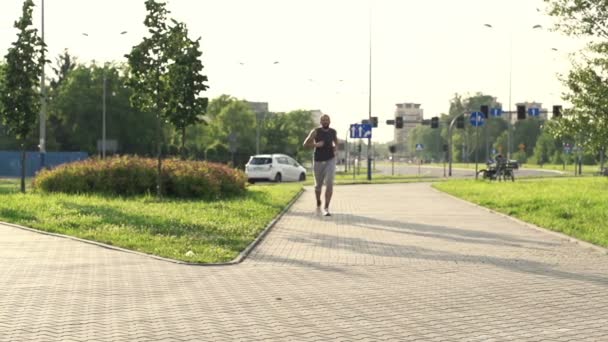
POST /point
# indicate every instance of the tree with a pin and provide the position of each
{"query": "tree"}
(237, 118)
(185, 81)
(149, 62)
(468, 136)
(75, 113)
(65, 63)
(285, 132)
(588, 80)
(19, 91)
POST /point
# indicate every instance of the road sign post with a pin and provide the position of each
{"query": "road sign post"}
(476, 119)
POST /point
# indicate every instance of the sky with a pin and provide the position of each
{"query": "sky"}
(422, 51)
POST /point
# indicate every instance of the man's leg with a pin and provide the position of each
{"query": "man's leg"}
(319, 175)
(330, 173)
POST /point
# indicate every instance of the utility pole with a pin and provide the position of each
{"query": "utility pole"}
(369, 140)
(42, 143)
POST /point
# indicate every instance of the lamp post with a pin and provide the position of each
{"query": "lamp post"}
(369, 140)
(510, 86)
(42, 143)
(103, 105)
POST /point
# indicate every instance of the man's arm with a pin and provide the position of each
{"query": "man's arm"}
(335, 141)
(310, 139)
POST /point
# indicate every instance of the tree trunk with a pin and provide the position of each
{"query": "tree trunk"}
(159, 181)
(23, 167)
(183, 143)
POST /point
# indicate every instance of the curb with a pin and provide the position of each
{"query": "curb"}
(562, 236)
(240, 258)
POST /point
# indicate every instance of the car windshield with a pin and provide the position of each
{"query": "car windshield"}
(260, 161)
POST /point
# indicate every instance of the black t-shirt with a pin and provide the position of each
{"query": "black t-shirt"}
(328, 137)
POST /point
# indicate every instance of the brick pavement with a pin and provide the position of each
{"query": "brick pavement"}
(394, 263)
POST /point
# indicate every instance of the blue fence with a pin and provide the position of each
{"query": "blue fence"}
(10, 161)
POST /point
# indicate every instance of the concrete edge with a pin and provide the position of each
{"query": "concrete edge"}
(562, 236)
(243, 255)
(240, 258)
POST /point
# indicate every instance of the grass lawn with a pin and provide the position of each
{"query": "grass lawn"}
(343, 178)
(213, 231)
(574, 206)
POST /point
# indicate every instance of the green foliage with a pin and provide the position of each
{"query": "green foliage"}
(285, 132)
(19, 93)
(587, 81)
(185, 81)
(75, 119)
(526, 132)
(467, 137)
(128, 176)
(65, 63)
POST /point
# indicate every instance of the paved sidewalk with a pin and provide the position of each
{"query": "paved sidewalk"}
(398, 262)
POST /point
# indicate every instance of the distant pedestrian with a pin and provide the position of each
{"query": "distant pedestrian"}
(501, 167)
(324, 140)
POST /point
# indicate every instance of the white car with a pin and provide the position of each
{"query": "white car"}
(274, 167)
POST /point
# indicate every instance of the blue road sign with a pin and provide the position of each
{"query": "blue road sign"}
(496, 111)
(476, 119)
(358, 131)
(533, 111)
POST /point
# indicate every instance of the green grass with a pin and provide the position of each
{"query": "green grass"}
(343, 178)
(574, 206)
(213, 231)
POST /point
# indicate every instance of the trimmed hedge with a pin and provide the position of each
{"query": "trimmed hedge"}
(129, 175)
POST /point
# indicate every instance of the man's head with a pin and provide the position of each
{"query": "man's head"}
(325, 121)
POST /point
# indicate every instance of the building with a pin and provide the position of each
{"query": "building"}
(412, 116)
(259, 108)
(316, 116)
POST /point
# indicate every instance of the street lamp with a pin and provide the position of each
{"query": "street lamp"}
(510, 85)
(369, 140)
(103, 106)
(42, 144)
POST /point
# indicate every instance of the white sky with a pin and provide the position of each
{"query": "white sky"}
(423, 51)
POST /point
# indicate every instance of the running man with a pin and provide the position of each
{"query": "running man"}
(324, 140)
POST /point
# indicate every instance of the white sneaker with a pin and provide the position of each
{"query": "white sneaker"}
(326, 212)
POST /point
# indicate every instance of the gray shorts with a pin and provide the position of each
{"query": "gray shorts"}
(325, 171)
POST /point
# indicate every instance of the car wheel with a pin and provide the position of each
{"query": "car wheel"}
(278, 178)
(302, 177)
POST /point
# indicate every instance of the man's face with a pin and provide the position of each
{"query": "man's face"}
(325, 122)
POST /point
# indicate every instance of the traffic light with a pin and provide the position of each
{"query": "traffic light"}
(434, 122)
(392, 148)
(485, 110)
(374, 121)
(460, 122)
(521, 112)
(359, 148)
(557, 111)
(399, 122)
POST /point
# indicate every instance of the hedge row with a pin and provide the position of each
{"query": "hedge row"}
(128, 176)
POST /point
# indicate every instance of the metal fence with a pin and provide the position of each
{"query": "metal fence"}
(10, 161)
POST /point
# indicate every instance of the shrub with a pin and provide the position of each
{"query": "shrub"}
(130, 176)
